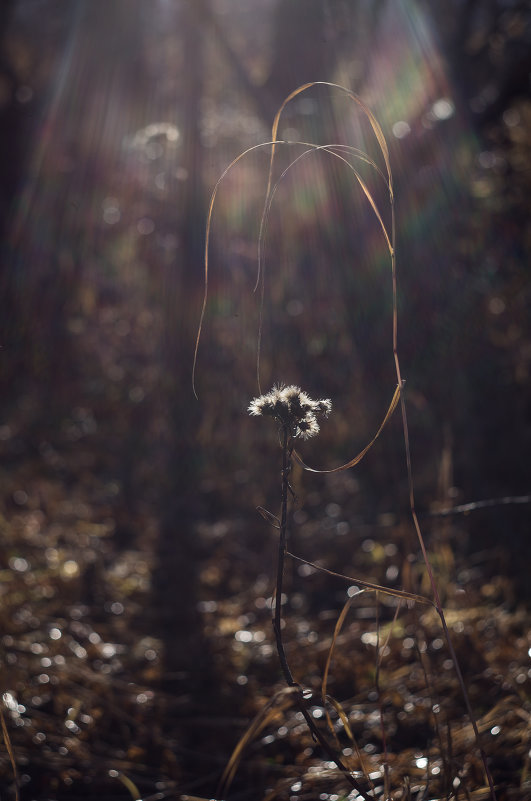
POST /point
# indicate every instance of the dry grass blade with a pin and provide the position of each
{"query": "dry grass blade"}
(367, 585)
(343, 717)
(357, 459)
(365, 109)
(331, 149)
(187, 797)
(9, 748)
(377, 130)
(348, 731)
(269, 517)
(328, 698)
(207, 247)
(279, 703)
(335, 150)
(131, 786)
(380, 651)
(337, 629)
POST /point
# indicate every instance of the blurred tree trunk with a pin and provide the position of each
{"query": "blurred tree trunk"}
(16, 122)
(176, 575)
(11, 122)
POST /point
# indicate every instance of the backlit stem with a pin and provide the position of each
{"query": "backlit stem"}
(277, 617)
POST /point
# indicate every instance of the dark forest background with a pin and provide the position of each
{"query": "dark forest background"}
(131, 552)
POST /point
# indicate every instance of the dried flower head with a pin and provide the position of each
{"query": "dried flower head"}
(292, 408)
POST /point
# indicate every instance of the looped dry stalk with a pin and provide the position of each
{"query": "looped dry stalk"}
(306, 426)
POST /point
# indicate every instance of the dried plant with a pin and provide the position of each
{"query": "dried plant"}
(296, 415)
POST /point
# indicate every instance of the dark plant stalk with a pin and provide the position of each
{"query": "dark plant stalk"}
(282, 547)
(287, 450)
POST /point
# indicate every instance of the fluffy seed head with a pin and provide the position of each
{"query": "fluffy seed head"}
(292, 408)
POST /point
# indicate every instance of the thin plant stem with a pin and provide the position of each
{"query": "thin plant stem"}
(282, 547)
(287, 450)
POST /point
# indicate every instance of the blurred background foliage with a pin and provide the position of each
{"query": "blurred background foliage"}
(126, 498)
